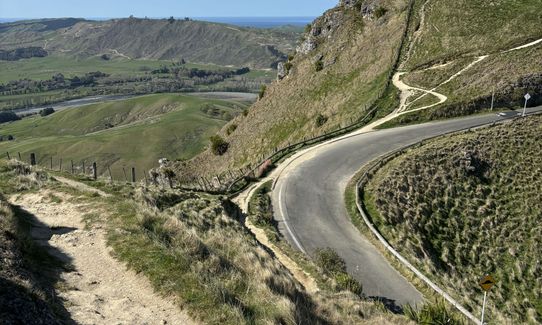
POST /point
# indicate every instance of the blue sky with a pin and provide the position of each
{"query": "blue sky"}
(162, 8)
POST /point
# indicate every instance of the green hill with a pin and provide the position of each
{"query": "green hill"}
(157, 39)
(468, 205)
(128, 133)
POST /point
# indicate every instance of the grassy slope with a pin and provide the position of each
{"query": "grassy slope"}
(454, 28)
(356, 65)
(453, 32)
(156, 39)
(457, 225)
(195, 249)
(145, 129)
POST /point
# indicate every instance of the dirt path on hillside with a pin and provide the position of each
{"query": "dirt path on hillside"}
(99, 290)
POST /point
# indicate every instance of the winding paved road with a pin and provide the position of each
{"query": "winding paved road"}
(309, 201)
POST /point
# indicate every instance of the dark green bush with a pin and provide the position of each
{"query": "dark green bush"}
(231, 128)
(263, 88)
(47, 111)
(219, 146)
(288, 66)
(346, 282)
(380, 11)
(319, 66)
(8, 117)
(330, 262)
(321, 120)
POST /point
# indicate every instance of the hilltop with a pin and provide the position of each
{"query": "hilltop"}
(159, 39)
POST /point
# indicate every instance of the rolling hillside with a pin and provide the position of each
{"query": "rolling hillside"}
(194, 41)
(467, 205)
(128, 133)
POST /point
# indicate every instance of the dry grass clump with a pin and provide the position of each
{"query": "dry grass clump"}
(21, 177)
(466, 205)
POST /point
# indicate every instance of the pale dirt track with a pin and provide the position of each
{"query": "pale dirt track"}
(100, 289)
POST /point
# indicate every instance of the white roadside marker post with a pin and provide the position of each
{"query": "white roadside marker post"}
(485, 283)
(527, 97)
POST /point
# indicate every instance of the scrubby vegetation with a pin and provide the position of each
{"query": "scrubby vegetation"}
(466, 205)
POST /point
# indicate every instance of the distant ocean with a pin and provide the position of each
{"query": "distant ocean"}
(256, 22)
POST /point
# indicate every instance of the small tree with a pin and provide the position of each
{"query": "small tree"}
(219, 146)
(171, 20)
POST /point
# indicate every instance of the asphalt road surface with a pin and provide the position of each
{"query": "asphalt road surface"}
(308, 200)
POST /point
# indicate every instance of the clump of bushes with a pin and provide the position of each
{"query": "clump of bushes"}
(8, 137)
(436, 313)
(321, 120)
(219, 146)
(334, 266)
(47, 111)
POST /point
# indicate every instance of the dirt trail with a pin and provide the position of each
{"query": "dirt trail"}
(99, 290)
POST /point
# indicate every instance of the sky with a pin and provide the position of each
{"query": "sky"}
(162, 8)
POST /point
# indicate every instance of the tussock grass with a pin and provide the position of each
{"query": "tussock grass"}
(466, 205)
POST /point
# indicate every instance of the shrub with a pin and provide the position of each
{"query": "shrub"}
(105, 57)
(47, 111)
(291, 57)
(346, 282)
(288, 66)
(8, 117)
(380, 11)
(308, 28)
(231, 128)
(263, 88)
(321, 120)
(319, 66)
(219, 146)
(245, 112)
(330, 262)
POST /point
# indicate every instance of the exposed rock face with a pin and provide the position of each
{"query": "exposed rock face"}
(282, 72)
(307, 46)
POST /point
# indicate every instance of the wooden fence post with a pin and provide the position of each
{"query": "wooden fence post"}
(7, 153)
(133, 175)
(60, 167)
(110, 174)
(145, 175)
(84, 170)
(33, 159)
(51, 162)
(125, 177)
(94, 171)
(73, 171)
(18, 153)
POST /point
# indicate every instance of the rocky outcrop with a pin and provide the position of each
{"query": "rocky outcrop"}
(282, 72)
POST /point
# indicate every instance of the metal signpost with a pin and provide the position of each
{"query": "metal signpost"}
(486, 283)
(527, 97)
